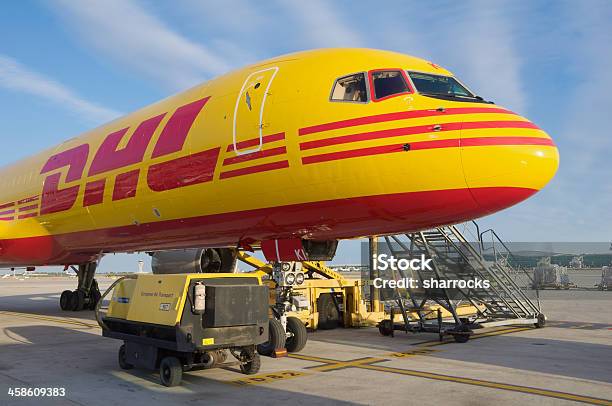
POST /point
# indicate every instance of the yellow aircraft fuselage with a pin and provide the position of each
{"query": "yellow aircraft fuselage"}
(264, 153)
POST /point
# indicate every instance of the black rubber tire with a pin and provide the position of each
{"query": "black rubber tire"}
(276, 341)
(77, 301)
(541, 323)
(297, 341)
(385, 328)
(461, 338)
(252, 367)
(329, 317)
(211, 360)
(64, 301)
(94, 298)
(123, 364)
(170, 371)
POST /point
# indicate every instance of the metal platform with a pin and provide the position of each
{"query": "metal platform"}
(506, 301)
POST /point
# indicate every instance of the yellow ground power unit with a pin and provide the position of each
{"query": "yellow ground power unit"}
(183, 322)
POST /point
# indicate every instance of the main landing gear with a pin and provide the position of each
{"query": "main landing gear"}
(87, 294)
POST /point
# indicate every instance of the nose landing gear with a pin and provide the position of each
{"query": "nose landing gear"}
(87, 294)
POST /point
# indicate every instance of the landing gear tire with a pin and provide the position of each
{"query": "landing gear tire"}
(77, 300)
(541, 321)
(329, 317)
(251, 367)
(276, 341)
(170, 371)
(94, 298)
(123, 364)
(297, 341)
(65, 300)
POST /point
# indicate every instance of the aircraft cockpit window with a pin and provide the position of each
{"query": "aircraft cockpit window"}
(350, 88)
(388, 83)
(439, 86)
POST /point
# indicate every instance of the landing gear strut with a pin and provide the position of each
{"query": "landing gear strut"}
(87, 294)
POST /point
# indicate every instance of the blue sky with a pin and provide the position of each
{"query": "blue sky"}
(67, 66)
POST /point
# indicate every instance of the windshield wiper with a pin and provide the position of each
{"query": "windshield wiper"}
(450, 95)
(454, 96)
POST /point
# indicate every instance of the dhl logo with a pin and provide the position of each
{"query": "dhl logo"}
(165, 175)
(161, 175)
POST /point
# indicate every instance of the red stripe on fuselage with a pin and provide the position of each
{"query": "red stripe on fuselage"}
(255, 142)
(254, 169)
(27, 216)
(185, 171)
(420, 129)
(475, 142)
(421, 145)
(6, 205)
(7, 212)
(28, 199)
(400, 115)
(255, 155)
(329, 219)
(28, 208)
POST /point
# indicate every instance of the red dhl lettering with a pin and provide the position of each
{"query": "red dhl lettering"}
(175, 173)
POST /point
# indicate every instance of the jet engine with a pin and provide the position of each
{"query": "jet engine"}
(194, 260)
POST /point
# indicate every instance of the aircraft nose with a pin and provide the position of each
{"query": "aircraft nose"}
(505, 162)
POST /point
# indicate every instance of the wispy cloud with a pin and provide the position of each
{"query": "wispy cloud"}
(125, 32)
(16, 77)
(484, 44)
(476, 40)
(321, 25)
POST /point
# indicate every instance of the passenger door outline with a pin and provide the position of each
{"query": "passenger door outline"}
(246, 85)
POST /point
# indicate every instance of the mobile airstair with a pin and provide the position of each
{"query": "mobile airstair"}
(507, 300)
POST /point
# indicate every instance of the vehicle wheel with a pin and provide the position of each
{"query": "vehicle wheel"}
(65, 300)
(209, 361)
(170, 371)
(77, 300)
(297, 341)
(462, 338)
(251, 367)
(541, 321)
(122, 359)
(277, 338)
(329, 317)
(385, 328)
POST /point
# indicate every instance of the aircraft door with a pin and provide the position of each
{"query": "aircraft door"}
(249, 113)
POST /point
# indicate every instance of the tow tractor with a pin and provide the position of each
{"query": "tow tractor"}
(183, 322)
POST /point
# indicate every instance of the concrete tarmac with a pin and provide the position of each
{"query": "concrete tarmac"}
(567, 362)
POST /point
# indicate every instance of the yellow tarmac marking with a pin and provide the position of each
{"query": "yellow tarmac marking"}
(405, 354)
(267, 378)
(475, 336)
(53, 319)
(357, 363)
(582, 326)
(366, 363)
(490, 384)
